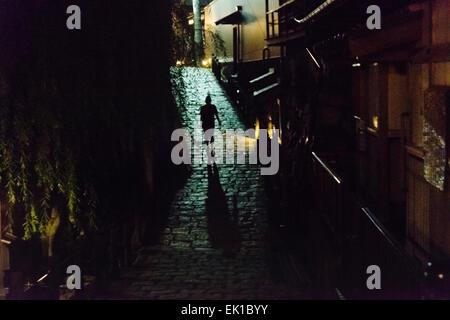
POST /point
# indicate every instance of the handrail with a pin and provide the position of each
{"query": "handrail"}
(265, 89)
(349, 209)
(394, 244)
(317, 10)
(367, 212)
(281, 7)
(329, 170)
(373, 219)
(268, 74)
(382, 229)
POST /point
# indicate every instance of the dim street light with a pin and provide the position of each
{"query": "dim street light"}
(206, 62)
(375, 122)
(191, 22)
(257, 129)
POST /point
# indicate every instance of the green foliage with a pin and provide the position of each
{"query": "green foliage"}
(77, 110)
(31, 224)
(36, 170)
(182, 36)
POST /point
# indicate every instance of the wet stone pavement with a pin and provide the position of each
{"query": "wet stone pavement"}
(215, 244)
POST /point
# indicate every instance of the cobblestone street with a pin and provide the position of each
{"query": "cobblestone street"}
(215, 244)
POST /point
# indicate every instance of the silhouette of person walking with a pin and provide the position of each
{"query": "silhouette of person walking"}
(208, 113)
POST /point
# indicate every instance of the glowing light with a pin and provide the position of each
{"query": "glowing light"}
(440, 276)
(257, 129)
(191, 22)
(335, 177)
(356, 65)
(179, 63)
(205, 62)
(375, 122)
(375, 64)
(43, 277)
(6, 241)
(270, 127)
(314, 59)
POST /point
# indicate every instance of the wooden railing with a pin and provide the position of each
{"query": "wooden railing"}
(361, 241)
(278, 18)
(288, 17)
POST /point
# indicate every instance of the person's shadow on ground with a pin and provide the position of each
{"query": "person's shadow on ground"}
(223, 228)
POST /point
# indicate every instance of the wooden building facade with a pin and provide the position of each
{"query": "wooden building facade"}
(373, 106)
(369, 109)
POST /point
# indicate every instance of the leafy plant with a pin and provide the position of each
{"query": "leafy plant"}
(214, 41)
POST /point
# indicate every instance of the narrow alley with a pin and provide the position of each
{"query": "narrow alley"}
(215, 245)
